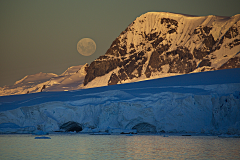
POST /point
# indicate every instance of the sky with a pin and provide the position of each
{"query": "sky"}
(42, 35)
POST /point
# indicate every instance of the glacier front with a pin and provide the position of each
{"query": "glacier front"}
(207, 102)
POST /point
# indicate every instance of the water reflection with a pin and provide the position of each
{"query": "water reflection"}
(77, 146)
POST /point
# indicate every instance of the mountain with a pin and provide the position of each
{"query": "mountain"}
(206, 102)
(160, 44)
(71, 79)
(155, 45)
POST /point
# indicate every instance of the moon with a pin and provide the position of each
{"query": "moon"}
(86, 46)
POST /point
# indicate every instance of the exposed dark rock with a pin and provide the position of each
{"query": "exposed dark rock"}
(132, 45)
(183, 63)
(100, 68)
(145, 128)
(122, 74)
(115, 48)
(183, 53)
(141, 21)
(155, 63)
(132, 68)
(232, 32)
(172, 31)
(131, 60)
(153, 44)
(202, 31)
(219, 44)
(177, 66)
(205, 62)
(132, 51)
(113, 79)
(136, 62)
(44, 86)
(199, 54)
(171, 25)
(209, 41)
(169, 21)
(152, 36)
(234, 43)
(207, 29)
(179, 60)
(86, 68)
(231, 63)
(157, 42)
(71, 127)
(156, 60)
(197, 31)
(148, 72)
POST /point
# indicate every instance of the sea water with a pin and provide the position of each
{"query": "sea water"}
(84, 146)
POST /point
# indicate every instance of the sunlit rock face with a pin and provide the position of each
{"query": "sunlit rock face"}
(155, 45)
(159, 44)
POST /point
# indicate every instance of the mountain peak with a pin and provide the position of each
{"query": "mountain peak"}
(157, 44)
(71, 79)
(154, 45)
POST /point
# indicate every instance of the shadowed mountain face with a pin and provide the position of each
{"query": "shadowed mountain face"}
(158, 43)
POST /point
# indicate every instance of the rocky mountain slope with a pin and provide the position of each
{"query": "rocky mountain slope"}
(71, 79)
(155, 45)
(160, 44)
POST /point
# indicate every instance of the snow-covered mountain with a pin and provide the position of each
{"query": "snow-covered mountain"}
(206, 102)
(71, 79)
(161, 44)
(155, 45)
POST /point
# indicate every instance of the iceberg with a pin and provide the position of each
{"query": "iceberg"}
(207, 102)
(42, 137)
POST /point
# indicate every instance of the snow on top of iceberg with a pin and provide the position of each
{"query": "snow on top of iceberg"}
(188, 83)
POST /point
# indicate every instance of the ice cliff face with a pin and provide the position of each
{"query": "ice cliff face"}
(161, 112)
(209, 104)
(160, 44)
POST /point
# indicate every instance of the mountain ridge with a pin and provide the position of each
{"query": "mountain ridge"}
(71, 79)
(154, 45)
(162, 43)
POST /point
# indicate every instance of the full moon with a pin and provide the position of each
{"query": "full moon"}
(86, 46)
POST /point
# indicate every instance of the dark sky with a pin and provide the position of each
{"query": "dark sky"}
(42, 35)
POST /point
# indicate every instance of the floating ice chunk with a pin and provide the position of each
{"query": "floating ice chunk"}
(42, 137)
